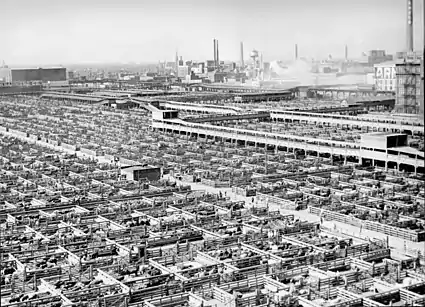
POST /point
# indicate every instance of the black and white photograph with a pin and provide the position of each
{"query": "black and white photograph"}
(212, 153)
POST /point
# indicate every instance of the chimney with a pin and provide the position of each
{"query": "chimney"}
(215, 53)
(346, 53)
(296, 52)
(409, 26)
(421, 101)
(242, 62)
(218, 58)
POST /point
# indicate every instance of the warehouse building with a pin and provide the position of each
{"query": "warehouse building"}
(38, 74)
(385, 76)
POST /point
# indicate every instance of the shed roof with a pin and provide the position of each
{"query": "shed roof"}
(70, 96)
(409, 150)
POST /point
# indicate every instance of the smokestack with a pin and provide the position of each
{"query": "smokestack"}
(409, 26)
(296, 52)
(215, 53)
(242, 62)
(421, 102)
(218, 58)
(346, 53)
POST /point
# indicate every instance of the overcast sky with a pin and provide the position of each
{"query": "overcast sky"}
(76, 31)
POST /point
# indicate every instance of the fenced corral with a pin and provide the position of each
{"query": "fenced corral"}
(97, 209)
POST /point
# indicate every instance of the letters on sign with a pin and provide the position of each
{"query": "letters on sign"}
(387, 73)
(378, 72)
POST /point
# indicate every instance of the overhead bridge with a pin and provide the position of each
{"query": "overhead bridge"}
(201, 108)
(146, 104)
(341, 93)
(260, 115)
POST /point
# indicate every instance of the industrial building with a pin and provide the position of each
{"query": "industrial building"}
(401, 55)
(409, 72)
(38, 74)
(409, 93)
(385, 76)
(377, 57)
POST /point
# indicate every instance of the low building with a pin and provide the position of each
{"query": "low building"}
(122, 104)
(5, 75)
(38, 74)
(377, 57)
(141, 173)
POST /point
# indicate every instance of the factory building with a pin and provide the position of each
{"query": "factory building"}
(408, 89)
(385, 76)
(377, 57)
(409, 55)
(38, 74)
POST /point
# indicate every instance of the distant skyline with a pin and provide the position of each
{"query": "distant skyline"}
(53, 32)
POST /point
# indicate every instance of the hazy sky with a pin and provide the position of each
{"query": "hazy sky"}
(75, 31)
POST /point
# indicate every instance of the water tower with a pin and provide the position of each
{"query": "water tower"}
(254, 57)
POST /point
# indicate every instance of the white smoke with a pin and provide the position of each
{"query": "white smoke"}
(301, 71)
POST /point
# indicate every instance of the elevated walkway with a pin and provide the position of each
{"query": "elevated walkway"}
(202, 108)
(146, 104)
(320, 118)
(289, 141)
(259, 115)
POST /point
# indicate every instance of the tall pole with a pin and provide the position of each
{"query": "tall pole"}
(215, 53)
(296, 52)
(421, 102)
(242, 62)
(218, 57)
